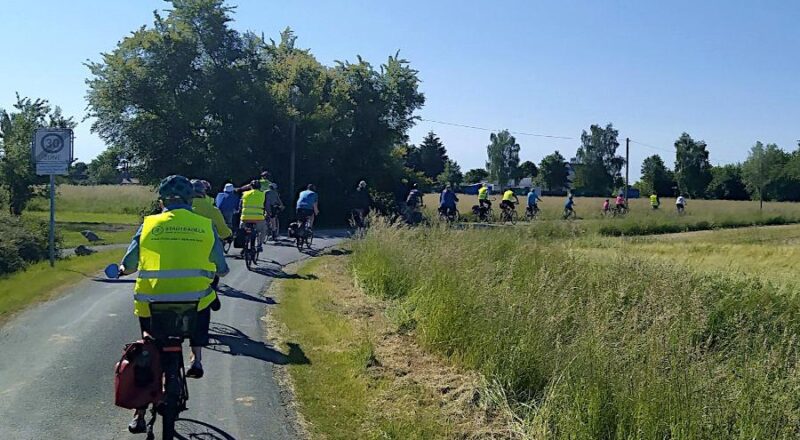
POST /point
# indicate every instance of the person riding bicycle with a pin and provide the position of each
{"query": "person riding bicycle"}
(680, 203)
(362, 202)
(606, 207)
(227, 202)
(509, 200)
(533, 199)
(448, 201)
(177, 254)
(272, 206)
(654, 201)
(569, 206)
(414, 198)
(252, 207)
(483, 196)
(619, 203)
(204, 205)
(307, 205)
(266, 179)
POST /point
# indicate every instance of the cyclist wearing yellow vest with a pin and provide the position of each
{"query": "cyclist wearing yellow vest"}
(509, 199)
(204, 205)
(177, 254)
(265, 180)
(252, 207)
(654, 202)
(483, 196)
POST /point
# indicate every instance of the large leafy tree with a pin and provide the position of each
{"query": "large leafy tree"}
(526, 169)
(190, 95)
(553, 173)
(451, 174)
(503, 152)
(17, 174)
(476, 175)
(598, 166)
(727, 183)
(692, 167)
(763, 171)
(656, 177)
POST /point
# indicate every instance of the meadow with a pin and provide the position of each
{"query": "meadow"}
(588, 336)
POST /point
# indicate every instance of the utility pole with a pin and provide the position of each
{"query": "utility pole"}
(294, 93)
(627, 168)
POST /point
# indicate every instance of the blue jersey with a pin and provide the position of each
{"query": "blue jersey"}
(448, 199)
(307, 200)
(568, 204)
(532, 198)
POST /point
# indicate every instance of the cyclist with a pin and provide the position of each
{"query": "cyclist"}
(447, 202)
(204, 205)
(569, 206)
(177, 254)
(606, 207)
(227, 202)
(654, 202)
(362, 202)
(266, 179)
(413, 203)
(509, 200)
(619, 203)
(680, 204)
(533, 199)
(307, 205)
(483, 196)
(252, 209)
(272, 206)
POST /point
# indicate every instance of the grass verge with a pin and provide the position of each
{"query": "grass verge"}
(361, 378)
(40, 282)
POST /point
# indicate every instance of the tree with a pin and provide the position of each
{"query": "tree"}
(432, 156)
(692, 167)
(656, 178)
(598, 166)
(476, 175)
(553, 172)
(503, 152)
(451, 174)
(527, 169)
(17, 174)
(78, 172)
(727, 183)
(103, 170)
(762, 171)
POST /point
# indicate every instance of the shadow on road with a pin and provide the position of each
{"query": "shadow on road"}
(230, 340)
(276, 272)
(118, 281)
(230, 292)
(188, 429)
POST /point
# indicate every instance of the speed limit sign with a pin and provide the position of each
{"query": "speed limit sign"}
(52, 150)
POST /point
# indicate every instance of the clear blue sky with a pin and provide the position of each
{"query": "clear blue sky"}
(724, 71)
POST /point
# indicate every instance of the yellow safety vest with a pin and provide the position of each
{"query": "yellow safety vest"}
(253, 205)
(653, 199)
(173, 261)
(508, 196)
(483, 193)
(205, 206)
(264, 184)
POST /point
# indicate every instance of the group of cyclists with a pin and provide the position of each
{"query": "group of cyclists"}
(178, 253)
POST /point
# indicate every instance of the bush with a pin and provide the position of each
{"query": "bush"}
(23, 242)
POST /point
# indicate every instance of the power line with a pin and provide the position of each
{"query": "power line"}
(651, 146)
(521, 133)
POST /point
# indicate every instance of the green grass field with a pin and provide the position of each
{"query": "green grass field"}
(585, 336)
(98, 199)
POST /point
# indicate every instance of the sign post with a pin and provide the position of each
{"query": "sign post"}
(52, 154)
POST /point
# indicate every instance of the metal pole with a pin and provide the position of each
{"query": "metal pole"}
(627, 167)
(292, 188)
(52, 220)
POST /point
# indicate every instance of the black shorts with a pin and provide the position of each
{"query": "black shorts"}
(507, 204)
(303, 213)
(200, 336)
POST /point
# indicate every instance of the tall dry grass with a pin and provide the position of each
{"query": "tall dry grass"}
(114, 199)
(588, 346)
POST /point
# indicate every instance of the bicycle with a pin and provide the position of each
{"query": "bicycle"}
(449, 215)
(531, 212)
(250, 251)
(358, 221)
(509, 214)
(304, 235)
(570, 214)
(619, 210)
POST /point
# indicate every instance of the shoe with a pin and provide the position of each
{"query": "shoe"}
(137, 425)
(216, 304)
(195, 371)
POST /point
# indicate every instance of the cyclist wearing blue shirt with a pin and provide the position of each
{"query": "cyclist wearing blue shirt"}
(307, 207)
(532, 199)
(447, 201)
(569, 206)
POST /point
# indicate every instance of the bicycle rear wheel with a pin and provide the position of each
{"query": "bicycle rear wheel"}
(172, 395)
(248, 258)
(309, 239)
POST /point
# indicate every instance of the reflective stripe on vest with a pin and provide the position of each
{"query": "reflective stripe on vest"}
(174, 249)
(172, 297)
(253, 205)
(175, 273)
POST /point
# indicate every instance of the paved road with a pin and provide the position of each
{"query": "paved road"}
(56, 362)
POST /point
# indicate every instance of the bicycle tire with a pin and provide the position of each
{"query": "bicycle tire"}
(248, 258)
(170, 408)
(299, 243)
(309, 239)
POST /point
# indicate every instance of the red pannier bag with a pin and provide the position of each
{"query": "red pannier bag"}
(137, 376)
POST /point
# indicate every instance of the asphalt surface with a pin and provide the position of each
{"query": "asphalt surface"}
(57, 360)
